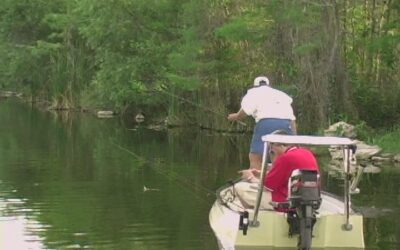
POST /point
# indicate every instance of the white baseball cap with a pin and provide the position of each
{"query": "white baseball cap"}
(261, 80)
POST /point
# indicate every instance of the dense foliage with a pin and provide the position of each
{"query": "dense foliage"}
(338, 59)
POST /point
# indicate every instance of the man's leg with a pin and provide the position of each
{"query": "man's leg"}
(255, 160)
(247, 194)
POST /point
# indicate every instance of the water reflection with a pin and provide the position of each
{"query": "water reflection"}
(18, 227)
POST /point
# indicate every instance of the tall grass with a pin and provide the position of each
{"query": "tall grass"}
(389, 140)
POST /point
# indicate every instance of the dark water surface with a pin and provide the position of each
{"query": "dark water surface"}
(78, 182)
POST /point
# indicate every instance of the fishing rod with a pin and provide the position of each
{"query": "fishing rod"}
(197, 105)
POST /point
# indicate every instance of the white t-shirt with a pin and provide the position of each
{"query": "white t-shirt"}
(266, 102)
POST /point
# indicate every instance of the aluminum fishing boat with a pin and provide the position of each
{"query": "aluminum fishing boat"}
(313, 219)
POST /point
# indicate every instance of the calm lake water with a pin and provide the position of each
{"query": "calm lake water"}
(78, 182)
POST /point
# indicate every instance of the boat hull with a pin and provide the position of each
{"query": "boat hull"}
(272, 230)
(328, 233)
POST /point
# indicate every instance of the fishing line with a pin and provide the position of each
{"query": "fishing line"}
(130, 152)
(171, 176)
(197, 105)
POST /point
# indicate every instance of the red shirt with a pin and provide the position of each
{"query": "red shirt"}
(278, 177)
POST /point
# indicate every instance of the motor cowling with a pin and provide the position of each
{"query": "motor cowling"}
(304, 189)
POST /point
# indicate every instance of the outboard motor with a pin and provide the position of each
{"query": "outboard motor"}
(304, 200)
(304, 189)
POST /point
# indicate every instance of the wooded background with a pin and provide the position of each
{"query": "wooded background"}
(193, 60)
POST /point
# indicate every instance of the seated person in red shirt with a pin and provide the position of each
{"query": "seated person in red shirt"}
(287, 159)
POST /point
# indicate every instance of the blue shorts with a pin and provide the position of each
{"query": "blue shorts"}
(267, 126)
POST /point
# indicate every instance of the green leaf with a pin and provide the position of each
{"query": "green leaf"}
(185, 83)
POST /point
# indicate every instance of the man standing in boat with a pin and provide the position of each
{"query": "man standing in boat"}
(271, 109)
